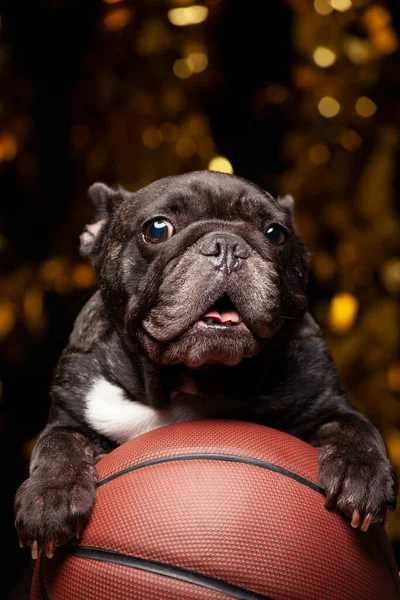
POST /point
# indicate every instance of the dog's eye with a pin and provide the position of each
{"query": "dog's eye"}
(158, 231)
(276, 235)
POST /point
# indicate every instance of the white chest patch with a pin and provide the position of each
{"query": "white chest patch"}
(110, 412)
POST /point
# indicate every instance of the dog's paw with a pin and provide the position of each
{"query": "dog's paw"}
(51, 510)
(361, 484)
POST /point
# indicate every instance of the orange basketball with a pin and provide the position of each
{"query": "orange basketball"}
(213, 510)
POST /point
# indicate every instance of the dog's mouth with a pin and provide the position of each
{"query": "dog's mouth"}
(222, 315)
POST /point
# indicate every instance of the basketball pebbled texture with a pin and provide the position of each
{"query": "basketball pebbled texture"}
(212, 510)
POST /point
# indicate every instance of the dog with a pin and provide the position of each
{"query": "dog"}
(200, 312)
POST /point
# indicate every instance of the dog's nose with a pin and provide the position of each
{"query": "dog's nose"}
(225, 250)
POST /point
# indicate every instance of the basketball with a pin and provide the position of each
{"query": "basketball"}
(211, 510)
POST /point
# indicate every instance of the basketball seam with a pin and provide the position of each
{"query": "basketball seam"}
(222, 457)
(166, 570)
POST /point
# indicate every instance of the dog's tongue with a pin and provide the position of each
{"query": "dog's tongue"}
(224, 317)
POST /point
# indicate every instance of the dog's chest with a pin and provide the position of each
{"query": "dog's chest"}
(109, 411)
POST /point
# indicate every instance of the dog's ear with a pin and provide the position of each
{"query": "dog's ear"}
(287, 203)
(105, 202)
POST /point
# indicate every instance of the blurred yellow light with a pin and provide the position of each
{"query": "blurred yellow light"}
(182, 68)
(8, 146)
(185, 147)
(63, 285)
(118, 19)
(111, 1)
(318, 154)
(323, 266)
(188, 15)
(385, 41)
(151, 138)
(324, 57)
(342, 312)
(7, 318)
(197, 62)
(169, 132)
(393, 376)
(376, 17)
(350, 140)
(53, 268)
(328, 107)
(192, 46)
(198, 125)
(365, 107)
(322, 7)
(390, 273)
(221, 164)
(341, 5)
(33, 304)
(83, 276)
(173, 98)
(357, 49)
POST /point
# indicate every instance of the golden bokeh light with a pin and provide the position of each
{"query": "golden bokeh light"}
(33, 304)
(83, 276)
(188, 15)
(7, 318)
(328, 107)
(324, 266)
(350, 140)
(151, 138)
(385, 41)
(221, 164)
(318, 154)
(365, 107)
(341, 5)
(182, 68)
(323, 7)
(376, 17)
(357, 50)
(390, 274)
(112, 1)
(118, 19)
(185, 147)
(324, 57)
(53, 268)
(169, 132)
(393, 376)
(342, 312)
(197, 62)
(8, 146)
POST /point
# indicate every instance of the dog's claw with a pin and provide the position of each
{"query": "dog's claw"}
(21, 539)
(355, 520)
(49, 550)
(366, 523)
(35, 550)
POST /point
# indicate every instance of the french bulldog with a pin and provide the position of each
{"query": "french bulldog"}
(200, 312)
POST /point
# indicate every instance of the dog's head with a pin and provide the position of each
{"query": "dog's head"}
(199, 268)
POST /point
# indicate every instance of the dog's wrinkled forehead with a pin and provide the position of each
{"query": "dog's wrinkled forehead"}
(207, 195)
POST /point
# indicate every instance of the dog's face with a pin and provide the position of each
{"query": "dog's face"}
(199, 268)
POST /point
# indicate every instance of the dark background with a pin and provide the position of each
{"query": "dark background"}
(114, 91)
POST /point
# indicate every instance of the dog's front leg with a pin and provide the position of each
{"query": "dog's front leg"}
(354, 469)
(54, 504)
